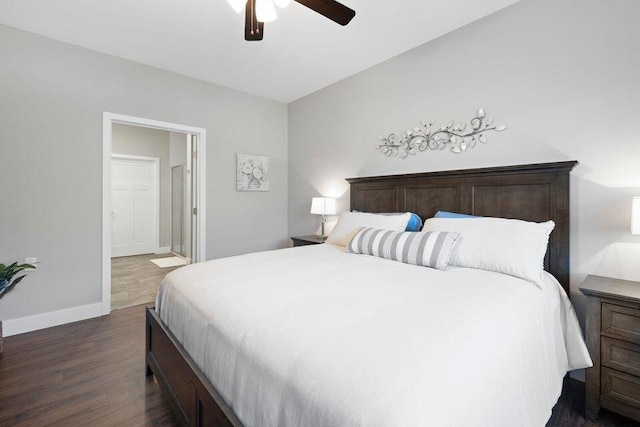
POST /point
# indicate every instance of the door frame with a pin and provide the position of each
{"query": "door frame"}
(155, 162)
(199, 201)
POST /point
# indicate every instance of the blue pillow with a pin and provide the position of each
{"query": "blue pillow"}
(445, 214)
(415, 223)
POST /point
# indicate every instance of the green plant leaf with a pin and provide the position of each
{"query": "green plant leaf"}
(7, 273)
(10, 286)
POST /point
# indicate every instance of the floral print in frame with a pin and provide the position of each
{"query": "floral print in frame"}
(252, 172)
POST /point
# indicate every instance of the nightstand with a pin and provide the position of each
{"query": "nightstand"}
(308, 240)
(613, 339)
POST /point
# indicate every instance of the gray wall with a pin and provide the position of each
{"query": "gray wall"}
(562, 75)
(141, 141)
(52, 98)
(178, 148)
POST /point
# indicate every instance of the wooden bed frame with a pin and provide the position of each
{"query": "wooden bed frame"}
(537, 192)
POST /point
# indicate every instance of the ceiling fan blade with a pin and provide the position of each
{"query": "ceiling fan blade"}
(253, 29)
(333, 10)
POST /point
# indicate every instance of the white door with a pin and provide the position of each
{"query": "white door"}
(134, 205)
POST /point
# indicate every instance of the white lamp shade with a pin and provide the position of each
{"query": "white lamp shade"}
(323, 206)
(237, 5)
(265, 12)
(282, 3)
(635, 215)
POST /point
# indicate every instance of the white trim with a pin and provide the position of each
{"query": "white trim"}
(132, 157)
(156, 193)
(163, 250)
(108, 119)
(200, 201)
(52, 318)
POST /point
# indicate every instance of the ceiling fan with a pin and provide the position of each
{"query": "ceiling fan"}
(257, 12)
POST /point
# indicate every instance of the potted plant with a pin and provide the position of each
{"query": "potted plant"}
(8, 281)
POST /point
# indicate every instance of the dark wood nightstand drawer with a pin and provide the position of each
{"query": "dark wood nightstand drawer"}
(621, 322)
(297, 242)
(621, 392)
(621, 355)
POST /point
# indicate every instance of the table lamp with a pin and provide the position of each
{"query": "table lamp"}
(323, 206)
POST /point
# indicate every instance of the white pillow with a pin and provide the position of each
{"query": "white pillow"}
(508, 246)
(349, 223)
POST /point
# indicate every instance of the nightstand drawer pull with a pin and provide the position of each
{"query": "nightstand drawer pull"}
(621, 322)
(621, 355)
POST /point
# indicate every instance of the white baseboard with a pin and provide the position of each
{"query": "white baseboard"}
(53, 318)
(163, 250)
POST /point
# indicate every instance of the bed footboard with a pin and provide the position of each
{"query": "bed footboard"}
(194, 400)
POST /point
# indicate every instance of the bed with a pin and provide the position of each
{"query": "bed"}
(315, 336)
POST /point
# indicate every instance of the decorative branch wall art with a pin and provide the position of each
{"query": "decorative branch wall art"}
(457, 136)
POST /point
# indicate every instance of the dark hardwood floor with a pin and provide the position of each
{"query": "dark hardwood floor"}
(88, 373)
(92, 373)
(569, 411)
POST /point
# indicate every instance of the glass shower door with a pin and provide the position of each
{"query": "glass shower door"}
(179, 239)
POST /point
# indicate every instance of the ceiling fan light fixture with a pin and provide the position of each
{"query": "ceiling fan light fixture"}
(282, 3)
(237, 5)
(258, 12)
(265, 12)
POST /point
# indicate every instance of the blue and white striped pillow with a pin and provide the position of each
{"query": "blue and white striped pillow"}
(430, 249)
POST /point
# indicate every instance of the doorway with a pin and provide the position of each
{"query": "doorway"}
(186, 209)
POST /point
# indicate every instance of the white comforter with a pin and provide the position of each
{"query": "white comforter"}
(313, 336)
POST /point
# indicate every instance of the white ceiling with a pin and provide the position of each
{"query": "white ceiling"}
(301, 53)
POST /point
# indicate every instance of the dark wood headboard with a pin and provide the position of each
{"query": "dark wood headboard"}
(536, 192)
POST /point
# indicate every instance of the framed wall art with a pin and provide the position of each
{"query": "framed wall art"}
(252, 172)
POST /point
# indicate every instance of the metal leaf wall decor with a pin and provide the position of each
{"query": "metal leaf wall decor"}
(457, 136)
